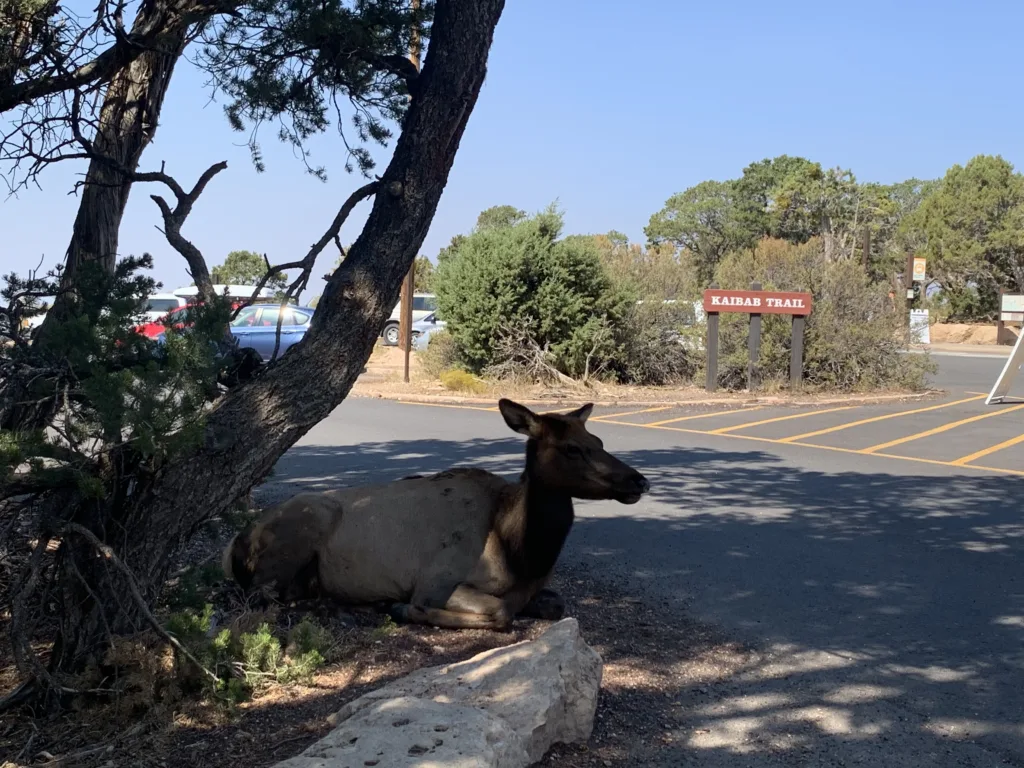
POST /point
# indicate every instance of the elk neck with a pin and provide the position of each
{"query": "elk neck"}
(536, 520)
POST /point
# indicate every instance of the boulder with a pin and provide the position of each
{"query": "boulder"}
(407, 731)
(503, 707)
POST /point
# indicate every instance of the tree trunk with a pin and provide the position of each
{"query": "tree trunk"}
(256, 423)
(127, 123)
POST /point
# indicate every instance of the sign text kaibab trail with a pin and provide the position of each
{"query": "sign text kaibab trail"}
(758, 302)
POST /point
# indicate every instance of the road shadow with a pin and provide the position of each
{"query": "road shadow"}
(872, 607)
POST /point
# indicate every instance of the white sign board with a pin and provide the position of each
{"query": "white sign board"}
(1012, 308)
(1009, 372)
(920, 269)
(920, 331)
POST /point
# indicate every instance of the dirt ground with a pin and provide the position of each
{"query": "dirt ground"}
(965, 333)
(658, 663)
(385, 369)
(656, 666)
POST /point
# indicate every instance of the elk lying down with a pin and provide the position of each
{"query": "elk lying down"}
(463, 548)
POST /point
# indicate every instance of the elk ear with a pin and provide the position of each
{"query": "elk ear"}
(582, 413)
(519, 418)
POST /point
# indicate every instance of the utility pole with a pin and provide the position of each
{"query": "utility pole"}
(409, 283)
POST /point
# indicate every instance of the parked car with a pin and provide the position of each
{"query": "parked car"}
(423, 304)
(255, 327)
(422, 329)
(177, 318)
(159, 304)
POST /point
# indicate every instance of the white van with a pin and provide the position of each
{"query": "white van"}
(422, 305)
(239, 291)
(159, 304)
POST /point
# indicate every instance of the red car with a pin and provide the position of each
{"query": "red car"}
(156, 329)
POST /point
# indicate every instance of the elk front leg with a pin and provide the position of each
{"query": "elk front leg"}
(466, 608)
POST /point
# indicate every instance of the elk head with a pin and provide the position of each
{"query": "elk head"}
(563, 456)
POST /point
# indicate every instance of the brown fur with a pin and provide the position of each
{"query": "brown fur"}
(459, 548)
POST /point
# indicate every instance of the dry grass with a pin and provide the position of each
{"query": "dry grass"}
(385, 369)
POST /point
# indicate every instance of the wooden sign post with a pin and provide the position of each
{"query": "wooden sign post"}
(756, 303)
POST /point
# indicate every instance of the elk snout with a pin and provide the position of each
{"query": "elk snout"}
(632, 487)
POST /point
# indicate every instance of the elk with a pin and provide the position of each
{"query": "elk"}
(462, 548)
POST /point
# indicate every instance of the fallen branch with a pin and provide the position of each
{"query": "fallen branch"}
(109, 553)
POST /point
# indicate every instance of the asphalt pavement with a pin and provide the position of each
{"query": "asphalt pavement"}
(872, 556)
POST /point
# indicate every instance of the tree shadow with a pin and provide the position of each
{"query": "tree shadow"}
(881, 615)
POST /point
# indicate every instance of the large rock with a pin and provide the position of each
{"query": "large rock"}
(504, 707)
(407, 731)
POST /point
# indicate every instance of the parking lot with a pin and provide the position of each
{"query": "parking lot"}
(957, 430)
(869, 554)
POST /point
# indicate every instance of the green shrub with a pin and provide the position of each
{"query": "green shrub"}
(523, 274)
(462, 381)
(441, 354)
(243, 662)
(853, 337)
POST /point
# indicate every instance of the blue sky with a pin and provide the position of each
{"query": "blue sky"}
(608, 108)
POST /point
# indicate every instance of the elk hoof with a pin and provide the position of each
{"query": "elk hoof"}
(546, 605)
(400, 613)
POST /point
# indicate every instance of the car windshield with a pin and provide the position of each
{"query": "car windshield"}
(420, 303)
(161, 305)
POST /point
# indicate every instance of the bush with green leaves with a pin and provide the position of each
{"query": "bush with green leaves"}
(523, 272)
(244, 662)
(123, 395)
(854, 337)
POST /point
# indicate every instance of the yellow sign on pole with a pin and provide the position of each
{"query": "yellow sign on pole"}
(919, 269)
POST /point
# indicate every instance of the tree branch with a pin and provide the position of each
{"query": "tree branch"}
(309, 260)
(397, 65)
(125, 49)
(175, 219)
(110, 555)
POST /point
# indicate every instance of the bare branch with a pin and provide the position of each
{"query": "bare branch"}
(309, 260)
(151, 35)
(175, 219)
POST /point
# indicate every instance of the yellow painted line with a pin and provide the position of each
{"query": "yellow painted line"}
(986, 451)
(700, 416)
(785, 441)
(939, 430)
(832, 448)
(447, 405)
(723, 430)
(883, 417)
(632, 413)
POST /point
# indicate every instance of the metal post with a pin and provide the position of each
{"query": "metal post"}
(1000, 325)
(754, 344)
(796, 356)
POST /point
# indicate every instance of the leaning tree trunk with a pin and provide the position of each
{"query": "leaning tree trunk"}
(127, 123)
(256, 423)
